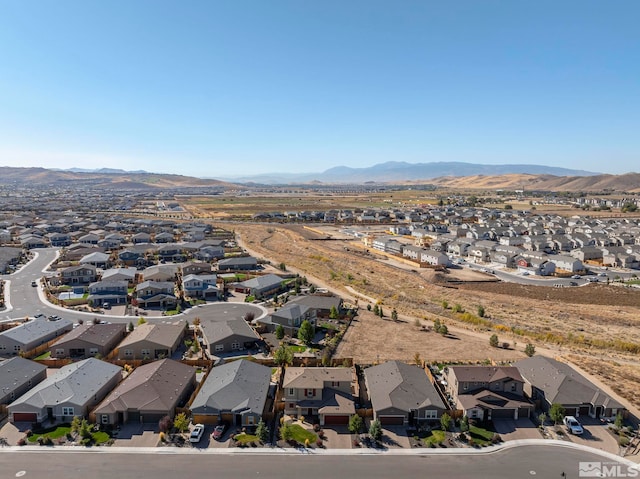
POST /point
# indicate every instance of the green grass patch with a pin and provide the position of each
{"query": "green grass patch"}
(273, 371)
(328, 326)
(480, 435)
(52, 432)
(296, 349)
(243, 438)
(300, 434)
(172, 312)
(45, 355)
(436, 437)
(100, 437)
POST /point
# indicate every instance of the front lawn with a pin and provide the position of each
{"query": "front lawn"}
(480, 435)
(52, 432)
(436, 437)
(296, 349)
(244, 439)
(300, 434)
(45, 355)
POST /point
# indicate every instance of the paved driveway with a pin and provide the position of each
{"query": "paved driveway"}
(596, 435)
(511, 430)
(337, 437)
(137, 435)
(395, 437)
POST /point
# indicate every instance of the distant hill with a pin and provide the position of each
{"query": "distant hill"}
(110, 178)
(629, 182)
(395, 171)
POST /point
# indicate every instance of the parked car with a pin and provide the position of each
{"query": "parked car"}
(196, 433)
(572, 425)
(218, 431)
(576, 276)
(602, 274)
(34, 284)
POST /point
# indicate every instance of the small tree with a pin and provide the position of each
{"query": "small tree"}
(164, 425)
(141, 321)
(417, 359)
(445, 304)
(375, 430)
(279, 332)
(445, 421)
(481, 311)
(542, 418)
(493, 341)
(376, 309)
(76, 422)
(130, 326)
(619, 422)
(457, 308)
(312, 289)
(286, 434)
(196, 320)
(394, 314)
(262, 431)
(556, 413)
(282, 267)
(181, 422)
(355, 424)
(380, 312)
(464, 424)
(333, 314)
(443, 329)
(529, 349)
(283, 355)
(306, 332)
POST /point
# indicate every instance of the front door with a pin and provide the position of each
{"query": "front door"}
(50, 413)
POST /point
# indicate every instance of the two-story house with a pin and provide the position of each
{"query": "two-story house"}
(326, 393)
(488, 392)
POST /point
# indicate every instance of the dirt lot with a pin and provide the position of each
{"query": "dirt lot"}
(371, 339)
(591, 322)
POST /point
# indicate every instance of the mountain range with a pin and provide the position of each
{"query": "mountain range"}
(447, 175)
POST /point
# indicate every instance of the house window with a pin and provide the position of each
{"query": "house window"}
(290, 391)
(514, 387)
(128, 353)
(59, 352)
(12, 396)
(68, 411)
(145, 353)
(335, 384)
(104, 419)
(310, 392)
(431, 414)
(93, 351)
(219, 347)
(251, 420)
(235, 345)
(474, 413)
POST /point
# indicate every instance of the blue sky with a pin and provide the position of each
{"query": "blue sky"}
(212, 88)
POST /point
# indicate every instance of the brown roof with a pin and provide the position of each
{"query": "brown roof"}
(162, 334)
(98, 334)
(485, 374)
(314, 378)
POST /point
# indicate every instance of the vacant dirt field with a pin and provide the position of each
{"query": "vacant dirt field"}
(372, 339)
(592, 321)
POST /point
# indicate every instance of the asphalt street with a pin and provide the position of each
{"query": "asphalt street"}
(513, 463)
(27, 301)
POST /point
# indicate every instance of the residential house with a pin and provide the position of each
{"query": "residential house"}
(89, 340)
(549, 381)
(201, 286)
(196, 268)
(402, 394)
(155, 294)
(290, 317)
(235, 393)
(17, 376)
(141, 237)
(488, 392)
(326, 393)
(31, 334)
(81, 275)
(151, 392)
(97, 259)
(108, 291)
(241, 263)
(151, 341)
(261, 286)
(226, 336)
(89, 238)
(120, 274)
(322, 304)
(68, 393)
(161, 272)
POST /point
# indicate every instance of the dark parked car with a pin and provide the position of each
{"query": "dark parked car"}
(218, 431)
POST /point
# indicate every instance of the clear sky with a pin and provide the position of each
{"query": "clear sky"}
(220, 88)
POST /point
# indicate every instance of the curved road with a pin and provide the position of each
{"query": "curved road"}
(23, 300)
(510, 463)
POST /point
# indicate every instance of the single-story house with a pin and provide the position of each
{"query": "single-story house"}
(89, 340)
(260, 286)
(70, 392)
(152, 341)
(151, 392)
(17, 376)
(549, 381)
(228, 336)
(290, 317)
(241, 263)
(235, 393)
(401, 394)
(29, 335)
